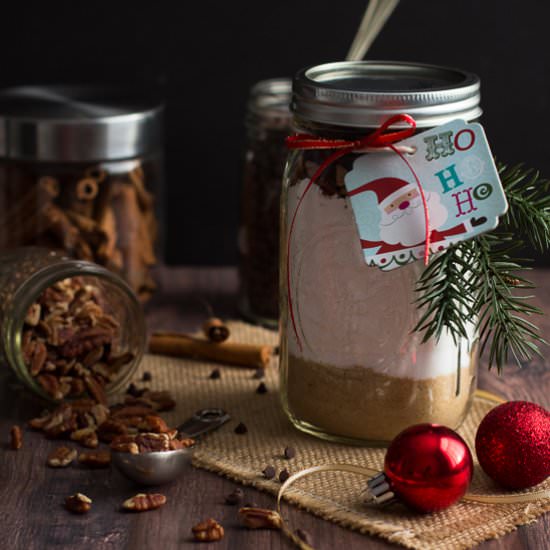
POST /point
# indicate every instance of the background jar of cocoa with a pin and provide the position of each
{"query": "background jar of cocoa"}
(352, 368)
(81, 170)
(68, 328)
(268, 124)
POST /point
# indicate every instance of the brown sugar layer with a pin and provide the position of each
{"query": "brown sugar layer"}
(360, 403)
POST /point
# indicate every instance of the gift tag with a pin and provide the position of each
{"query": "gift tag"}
(455, 168)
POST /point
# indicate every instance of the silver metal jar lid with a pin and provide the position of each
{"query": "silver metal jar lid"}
(271, 96)
(77, 124)
(366, 93)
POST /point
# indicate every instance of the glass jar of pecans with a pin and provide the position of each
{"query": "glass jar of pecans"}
(68, 328)
(268, 124)
(80, 170)
(352, 367)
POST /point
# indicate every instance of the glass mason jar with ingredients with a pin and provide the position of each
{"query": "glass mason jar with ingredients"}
(68, 328)
(268, 124)
(352, 368)
(81, 170)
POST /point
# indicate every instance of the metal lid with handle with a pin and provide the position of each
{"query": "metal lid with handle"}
(77, 123)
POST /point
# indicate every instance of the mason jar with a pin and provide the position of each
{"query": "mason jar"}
(352, 367)
(267, 124)
(68, 328)
(81, 170)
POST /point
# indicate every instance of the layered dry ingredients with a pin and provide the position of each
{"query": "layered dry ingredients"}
(358, 370)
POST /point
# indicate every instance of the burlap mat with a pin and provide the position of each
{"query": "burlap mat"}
(333, 496)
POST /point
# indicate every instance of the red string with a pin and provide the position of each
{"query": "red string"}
(424, 204)
(379, 138)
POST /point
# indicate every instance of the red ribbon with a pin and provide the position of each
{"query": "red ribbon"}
(381, 137)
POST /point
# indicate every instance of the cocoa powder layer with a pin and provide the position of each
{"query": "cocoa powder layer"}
(363, 404)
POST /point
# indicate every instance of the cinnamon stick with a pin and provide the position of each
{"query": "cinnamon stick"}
(183, 345)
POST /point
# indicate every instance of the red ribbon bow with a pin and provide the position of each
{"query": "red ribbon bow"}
(380, 138)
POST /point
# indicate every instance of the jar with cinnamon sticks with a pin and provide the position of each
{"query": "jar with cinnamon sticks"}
(268, 123)
(68, 328)
(81, 171)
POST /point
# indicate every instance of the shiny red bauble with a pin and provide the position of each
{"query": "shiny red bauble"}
(513, 444)
(429, 467)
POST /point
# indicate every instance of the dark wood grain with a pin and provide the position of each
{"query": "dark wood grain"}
(31, 495)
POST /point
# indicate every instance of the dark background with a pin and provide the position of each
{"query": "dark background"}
(204, 56)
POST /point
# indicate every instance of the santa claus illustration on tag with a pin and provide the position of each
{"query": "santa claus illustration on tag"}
(460, 183)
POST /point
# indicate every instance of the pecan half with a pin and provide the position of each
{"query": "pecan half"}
(116, 362)
(125, 444)
(260, 518)
(176, 444)
(93, 356)
(61, 457)
(16, 438)
(39, 356)
(100, 413)
(208, 531)
(95, 459)
(109, 429)
(96, 389)
(86, 437)
(62, 421)
(151, 442)
(39, 422)
(78, 503)
(142, 502)
(50, 384)
(85, 340)
(162, 400)
(33, 315)
(154, 423)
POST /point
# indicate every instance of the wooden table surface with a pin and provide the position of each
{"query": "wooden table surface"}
(31, 495)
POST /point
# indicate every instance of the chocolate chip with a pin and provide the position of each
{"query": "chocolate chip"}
(259, 374)
(241, 429)
(262, 388)
(147, 376)
(290, 452)
(269, 472)
(134, 391)
(276, 350)
(284, 475)
(304, 535)
(215, 374)
(236, 497)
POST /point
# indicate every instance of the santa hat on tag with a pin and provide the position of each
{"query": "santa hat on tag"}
(386, 189)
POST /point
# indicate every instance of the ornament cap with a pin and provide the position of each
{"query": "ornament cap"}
(379, 490)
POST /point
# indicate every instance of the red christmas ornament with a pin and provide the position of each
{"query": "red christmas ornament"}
(427, 466)
(513, 444)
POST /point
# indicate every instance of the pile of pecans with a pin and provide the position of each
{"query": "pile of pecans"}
(88, 422)
(70, 341)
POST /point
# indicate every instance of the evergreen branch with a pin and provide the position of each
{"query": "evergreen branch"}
(476, 281)
(502, 314)
(529, 204)
(446, 295)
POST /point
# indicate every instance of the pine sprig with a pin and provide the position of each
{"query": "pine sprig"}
(529, 204)
(502, 322)
(446, 298)
(477, 281)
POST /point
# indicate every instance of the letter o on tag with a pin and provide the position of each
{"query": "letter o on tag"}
(466, 142)
(482, 191)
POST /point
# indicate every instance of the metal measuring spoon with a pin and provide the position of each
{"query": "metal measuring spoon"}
(158, 467)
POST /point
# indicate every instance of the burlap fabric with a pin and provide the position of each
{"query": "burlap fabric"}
(332, 496)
